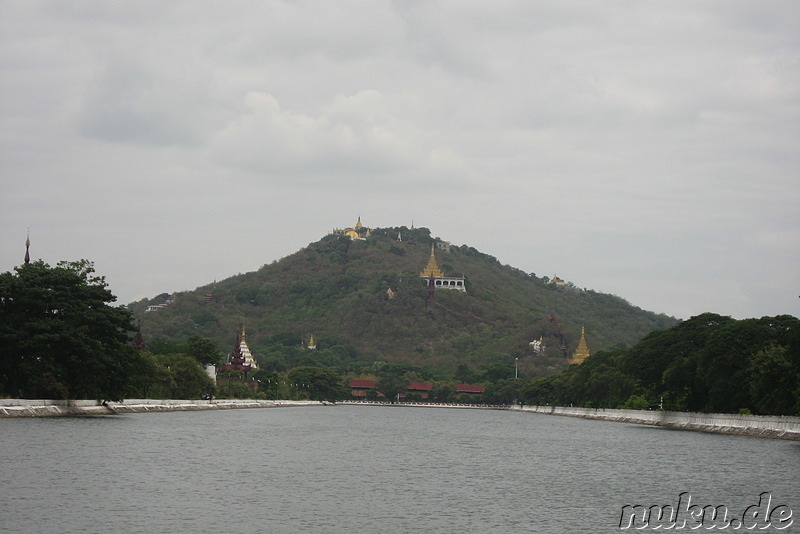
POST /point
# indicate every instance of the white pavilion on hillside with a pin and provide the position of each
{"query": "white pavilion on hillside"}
(437, 278)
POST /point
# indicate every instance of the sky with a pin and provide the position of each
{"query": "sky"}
(646, 149)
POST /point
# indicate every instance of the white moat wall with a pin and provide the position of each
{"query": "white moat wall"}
(748, 425)
(43, 408)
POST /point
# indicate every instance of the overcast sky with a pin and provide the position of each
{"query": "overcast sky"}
(646, 149)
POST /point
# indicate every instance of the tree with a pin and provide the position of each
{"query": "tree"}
(203, 350)
(60, 338)
(773, 383)
(391, 385)
(318, 383)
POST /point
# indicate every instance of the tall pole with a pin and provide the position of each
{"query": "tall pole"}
(516, 367)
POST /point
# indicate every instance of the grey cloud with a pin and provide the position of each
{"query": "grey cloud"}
(645, 148)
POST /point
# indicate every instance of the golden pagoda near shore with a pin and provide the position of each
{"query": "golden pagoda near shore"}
(582, 352)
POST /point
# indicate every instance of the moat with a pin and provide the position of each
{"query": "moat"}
(349, 469)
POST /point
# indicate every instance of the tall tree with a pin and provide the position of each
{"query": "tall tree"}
(60, 338)
(317, 383)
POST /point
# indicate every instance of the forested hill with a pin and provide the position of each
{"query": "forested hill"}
(363, 300)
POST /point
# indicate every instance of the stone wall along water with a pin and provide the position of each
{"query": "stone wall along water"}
(749, 425)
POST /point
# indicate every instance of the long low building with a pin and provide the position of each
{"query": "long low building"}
(360, 389)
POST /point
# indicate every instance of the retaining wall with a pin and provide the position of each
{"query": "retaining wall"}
(43, 408)
(748, 425)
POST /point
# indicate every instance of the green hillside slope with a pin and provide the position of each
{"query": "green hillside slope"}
(366, 297)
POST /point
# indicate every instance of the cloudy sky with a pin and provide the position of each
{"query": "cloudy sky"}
(646, 149)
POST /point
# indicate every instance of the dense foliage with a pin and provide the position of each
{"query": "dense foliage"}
(60, 338)
(176, 370)
(365, 303)
(708, 363)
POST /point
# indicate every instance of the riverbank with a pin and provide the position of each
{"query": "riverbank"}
(764, 426)
(54, 408)
(425, 405)
(776, 427)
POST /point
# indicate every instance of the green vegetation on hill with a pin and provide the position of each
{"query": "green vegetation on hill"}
(60, 338)
(338, 289)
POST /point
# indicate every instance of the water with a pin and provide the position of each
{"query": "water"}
(368, 469)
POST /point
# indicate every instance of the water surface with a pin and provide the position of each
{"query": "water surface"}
(367, 469)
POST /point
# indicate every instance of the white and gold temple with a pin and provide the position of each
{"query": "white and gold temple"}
(433, 274)
(245, 350)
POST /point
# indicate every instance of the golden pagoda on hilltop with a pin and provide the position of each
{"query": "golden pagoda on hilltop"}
(432, 269)
(359, 231)
(436, 278)
(582, 352)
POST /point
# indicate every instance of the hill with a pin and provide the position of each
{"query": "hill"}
(363, 301)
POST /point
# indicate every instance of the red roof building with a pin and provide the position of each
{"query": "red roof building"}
(359, 388)
(469, 390)
(420, 388)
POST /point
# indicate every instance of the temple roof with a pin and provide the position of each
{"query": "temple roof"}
(582, 352)
(432, 269)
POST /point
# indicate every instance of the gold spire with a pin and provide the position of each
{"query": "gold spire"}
(358, 223)
(582, 352)
(311, 343)
(432, 269)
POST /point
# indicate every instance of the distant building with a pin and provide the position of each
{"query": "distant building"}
(245, 350)
(537, 345)
(436, 278)
(582, 352)
(359, 388)
(422, 389)
(470, 390)
(240, 362)
(155, 307)
(359, 231)
(237, 366)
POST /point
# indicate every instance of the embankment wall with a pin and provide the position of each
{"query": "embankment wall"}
(44, 408)
(747, 425)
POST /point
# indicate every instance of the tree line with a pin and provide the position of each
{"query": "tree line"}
(709, 363)
(61, 337)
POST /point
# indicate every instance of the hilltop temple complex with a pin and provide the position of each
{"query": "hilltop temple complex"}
(359, 231)
(436, 277)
